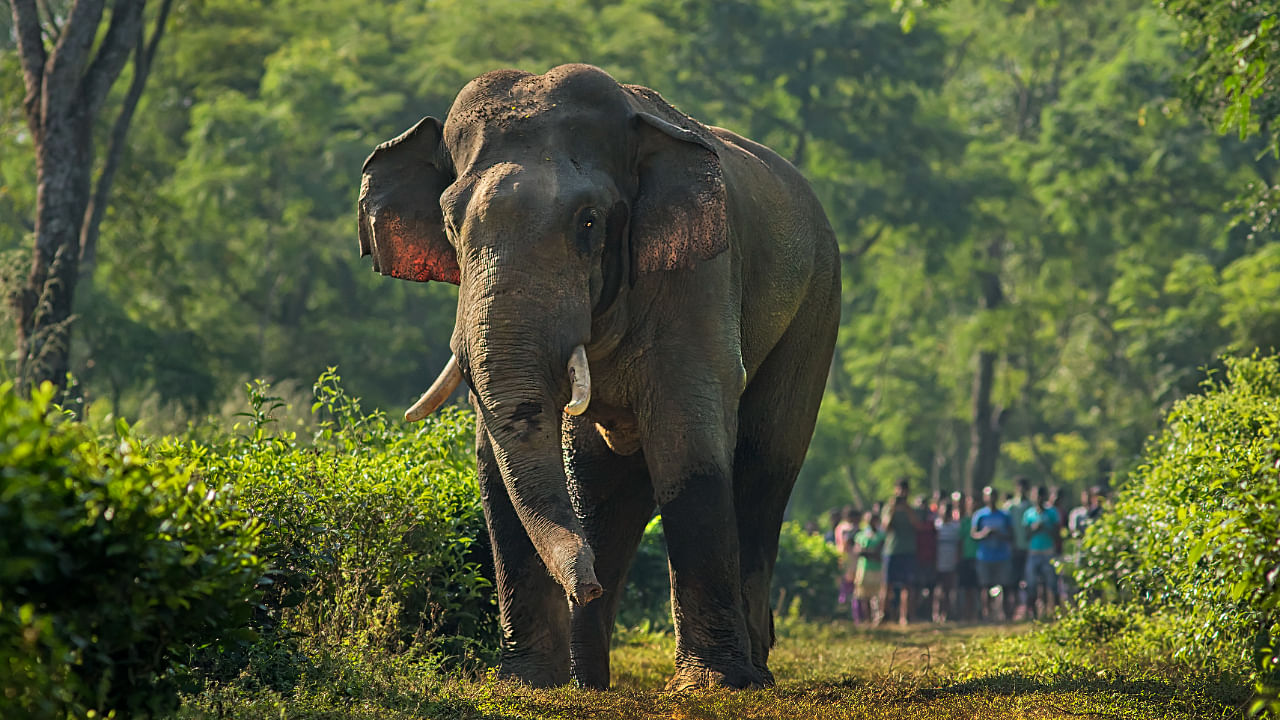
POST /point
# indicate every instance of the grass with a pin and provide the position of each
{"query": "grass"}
(824, 671)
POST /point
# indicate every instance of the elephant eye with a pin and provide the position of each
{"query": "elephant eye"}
(589, 222)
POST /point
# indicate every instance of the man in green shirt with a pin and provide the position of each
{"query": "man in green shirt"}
(1016, 508)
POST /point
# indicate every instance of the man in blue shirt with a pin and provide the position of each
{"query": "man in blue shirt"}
(993, 530)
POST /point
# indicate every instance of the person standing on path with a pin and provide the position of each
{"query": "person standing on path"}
(967, 570)
(900, 524)
(1016, 508)
(868, 578)
(926, 560)
(1043, 524)
(947, 527)
(843, 535)
(993, 531)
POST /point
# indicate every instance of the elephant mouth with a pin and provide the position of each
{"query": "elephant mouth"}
(579, 381)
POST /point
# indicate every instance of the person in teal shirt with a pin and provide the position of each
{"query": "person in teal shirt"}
(1042, 524)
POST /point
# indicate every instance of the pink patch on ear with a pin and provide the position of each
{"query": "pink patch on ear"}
(404, 252)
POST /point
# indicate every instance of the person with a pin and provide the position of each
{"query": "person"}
(926, 559)
(1042, 523)
(967, 569)
(947, 528)
(843, 534)
(994, 532)
(1016, 507)
(899, 521)
(1078, 520)
(1090, 509)
(833, 519)
(868, 577)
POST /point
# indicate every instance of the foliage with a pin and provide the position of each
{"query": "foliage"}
(114, 566)
(369, 527)
(1194, 532)
(646, 599)
(805, 579)
(1236, 67)
(1039, 146)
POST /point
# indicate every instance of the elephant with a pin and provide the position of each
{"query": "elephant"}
(647, 311)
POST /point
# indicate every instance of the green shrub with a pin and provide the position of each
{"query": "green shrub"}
(1195, 530)
(807, 576)
(370, 529)
(805, 579)
(113, 566)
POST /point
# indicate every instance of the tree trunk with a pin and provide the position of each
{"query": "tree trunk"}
(66, 87)
(986, 421)
(44, 304)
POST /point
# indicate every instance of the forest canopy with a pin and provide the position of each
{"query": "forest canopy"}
(1041, 226)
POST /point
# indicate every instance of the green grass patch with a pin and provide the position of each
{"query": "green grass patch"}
(824, 671)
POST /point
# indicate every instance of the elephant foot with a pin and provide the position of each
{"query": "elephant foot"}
(697, 677)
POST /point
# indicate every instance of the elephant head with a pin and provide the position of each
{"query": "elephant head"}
(546, 198)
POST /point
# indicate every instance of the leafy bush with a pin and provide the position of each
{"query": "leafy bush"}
(370, 529)
(804, 580)
(807, 575)
(112, 567)
(1194, 531)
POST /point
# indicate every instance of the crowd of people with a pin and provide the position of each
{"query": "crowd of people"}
(991, 559)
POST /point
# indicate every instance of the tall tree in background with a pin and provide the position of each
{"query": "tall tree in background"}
(68, 73)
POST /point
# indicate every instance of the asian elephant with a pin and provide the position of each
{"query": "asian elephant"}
(647, 309)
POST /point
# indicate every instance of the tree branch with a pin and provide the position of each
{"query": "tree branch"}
(26, 23)
(124, 33)
(143, 57)
(66, 62)
(866, 244)
(50, 28)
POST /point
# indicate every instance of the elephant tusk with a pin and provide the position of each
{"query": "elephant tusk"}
(439, 391)
(580, 381)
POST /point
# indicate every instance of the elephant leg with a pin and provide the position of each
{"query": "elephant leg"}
(533, 609)
(615, 501)
(688, 451)
(776, 417)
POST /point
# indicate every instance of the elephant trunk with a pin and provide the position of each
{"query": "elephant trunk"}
(521, 408)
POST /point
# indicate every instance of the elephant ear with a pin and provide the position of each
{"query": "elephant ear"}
(678, 217)
(401, 224)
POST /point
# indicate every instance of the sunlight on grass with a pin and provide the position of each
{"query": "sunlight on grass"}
(824, 671)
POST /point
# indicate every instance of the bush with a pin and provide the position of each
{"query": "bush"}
(370, 530)
(804, 580)
(1194, 531)
(807, 576)
(113, 566)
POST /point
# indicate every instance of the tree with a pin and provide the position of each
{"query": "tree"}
(68, 73)
(1234, 78)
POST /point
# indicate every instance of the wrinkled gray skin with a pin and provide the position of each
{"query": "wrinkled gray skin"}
(701, 275)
